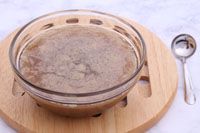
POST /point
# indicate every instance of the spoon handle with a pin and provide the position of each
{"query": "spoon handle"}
(189, 95)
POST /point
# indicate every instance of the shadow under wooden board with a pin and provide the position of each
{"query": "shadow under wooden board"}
(146, 103)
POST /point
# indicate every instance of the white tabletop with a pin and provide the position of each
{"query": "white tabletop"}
(165, 18)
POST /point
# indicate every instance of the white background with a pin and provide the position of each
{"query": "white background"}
(166, 18)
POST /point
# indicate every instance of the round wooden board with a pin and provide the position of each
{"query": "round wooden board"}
(147, 102)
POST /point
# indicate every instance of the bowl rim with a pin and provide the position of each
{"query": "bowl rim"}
(77, 94)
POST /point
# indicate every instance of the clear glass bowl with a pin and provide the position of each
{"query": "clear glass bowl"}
(77, 104)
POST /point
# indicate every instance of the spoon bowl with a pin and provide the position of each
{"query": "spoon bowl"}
(183, 46)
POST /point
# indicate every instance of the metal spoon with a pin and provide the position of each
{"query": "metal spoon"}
(184, 46)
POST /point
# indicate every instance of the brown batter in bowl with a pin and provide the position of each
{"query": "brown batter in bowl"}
(77, 62)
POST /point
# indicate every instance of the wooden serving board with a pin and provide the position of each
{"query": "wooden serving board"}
(147, 102)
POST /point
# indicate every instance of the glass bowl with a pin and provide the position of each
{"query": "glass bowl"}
(77, 104)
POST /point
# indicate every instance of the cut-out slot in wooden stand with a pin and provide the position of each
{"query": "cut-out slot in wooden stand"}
(147, 101)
